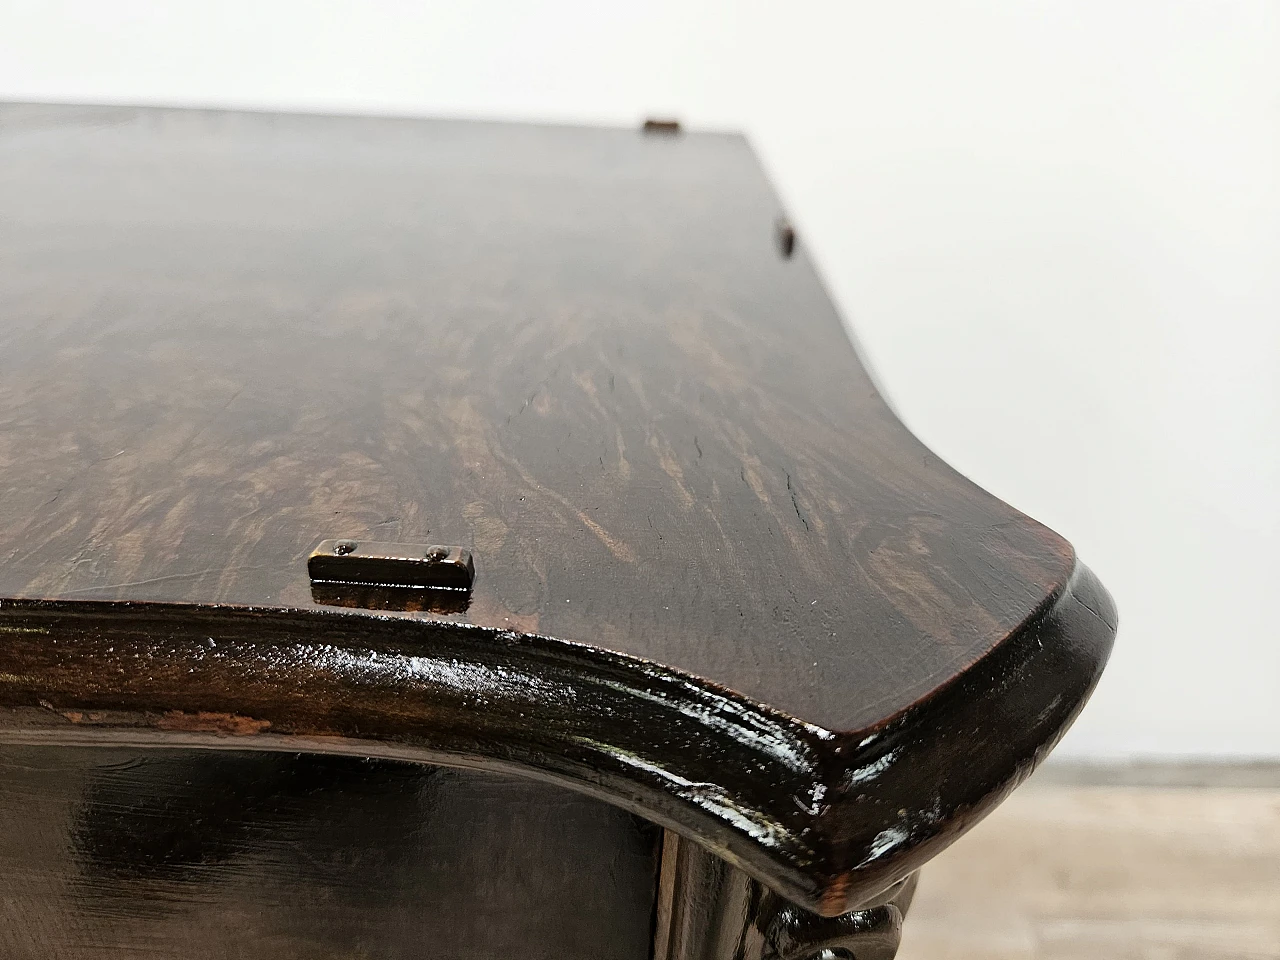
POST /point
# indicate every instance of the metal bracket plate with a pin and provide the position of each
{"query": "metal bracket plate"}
(372, 563)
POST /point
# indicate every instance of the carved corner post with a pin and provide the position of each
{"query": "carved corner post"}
(708, 909)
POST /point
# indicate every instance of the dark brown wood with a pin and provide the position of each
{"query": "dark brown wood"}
(717, 582)
(710, 910)
(270, 856)
(577, 353)
(825, 819)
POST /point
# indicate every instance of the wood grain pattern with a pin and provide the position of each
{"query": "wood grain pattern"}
(716, 581)
(577, 353)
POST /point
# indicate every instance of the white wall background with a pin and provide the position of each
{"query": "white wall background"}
(1055, 226)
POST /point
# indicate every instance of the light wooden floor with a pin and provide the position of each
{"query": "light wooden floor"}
(1064, 871)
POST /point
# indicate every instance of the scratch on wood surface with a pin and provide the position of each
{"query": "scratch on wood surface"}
(615, 546)
(193, 575)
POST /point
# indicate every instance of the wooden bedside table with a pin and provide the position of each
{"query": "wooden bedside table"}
(447, 539)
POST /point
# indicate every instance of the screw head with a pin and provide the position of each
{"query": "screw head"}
(436, 554)
(343, 547)
(785, 234)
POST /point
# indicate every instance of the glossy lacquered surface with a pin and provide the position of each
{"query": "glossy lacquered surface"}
(217, 855)
(825, 820)
(709, 910)
(716, 581)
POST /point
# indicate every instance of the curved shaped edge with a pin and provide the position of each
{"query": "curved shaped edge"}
(672, 748)
(827, 820)
(914, 785)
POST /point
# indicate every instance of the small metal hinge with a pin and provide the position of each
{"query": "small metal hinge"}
(661, 125)
(370, 563)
